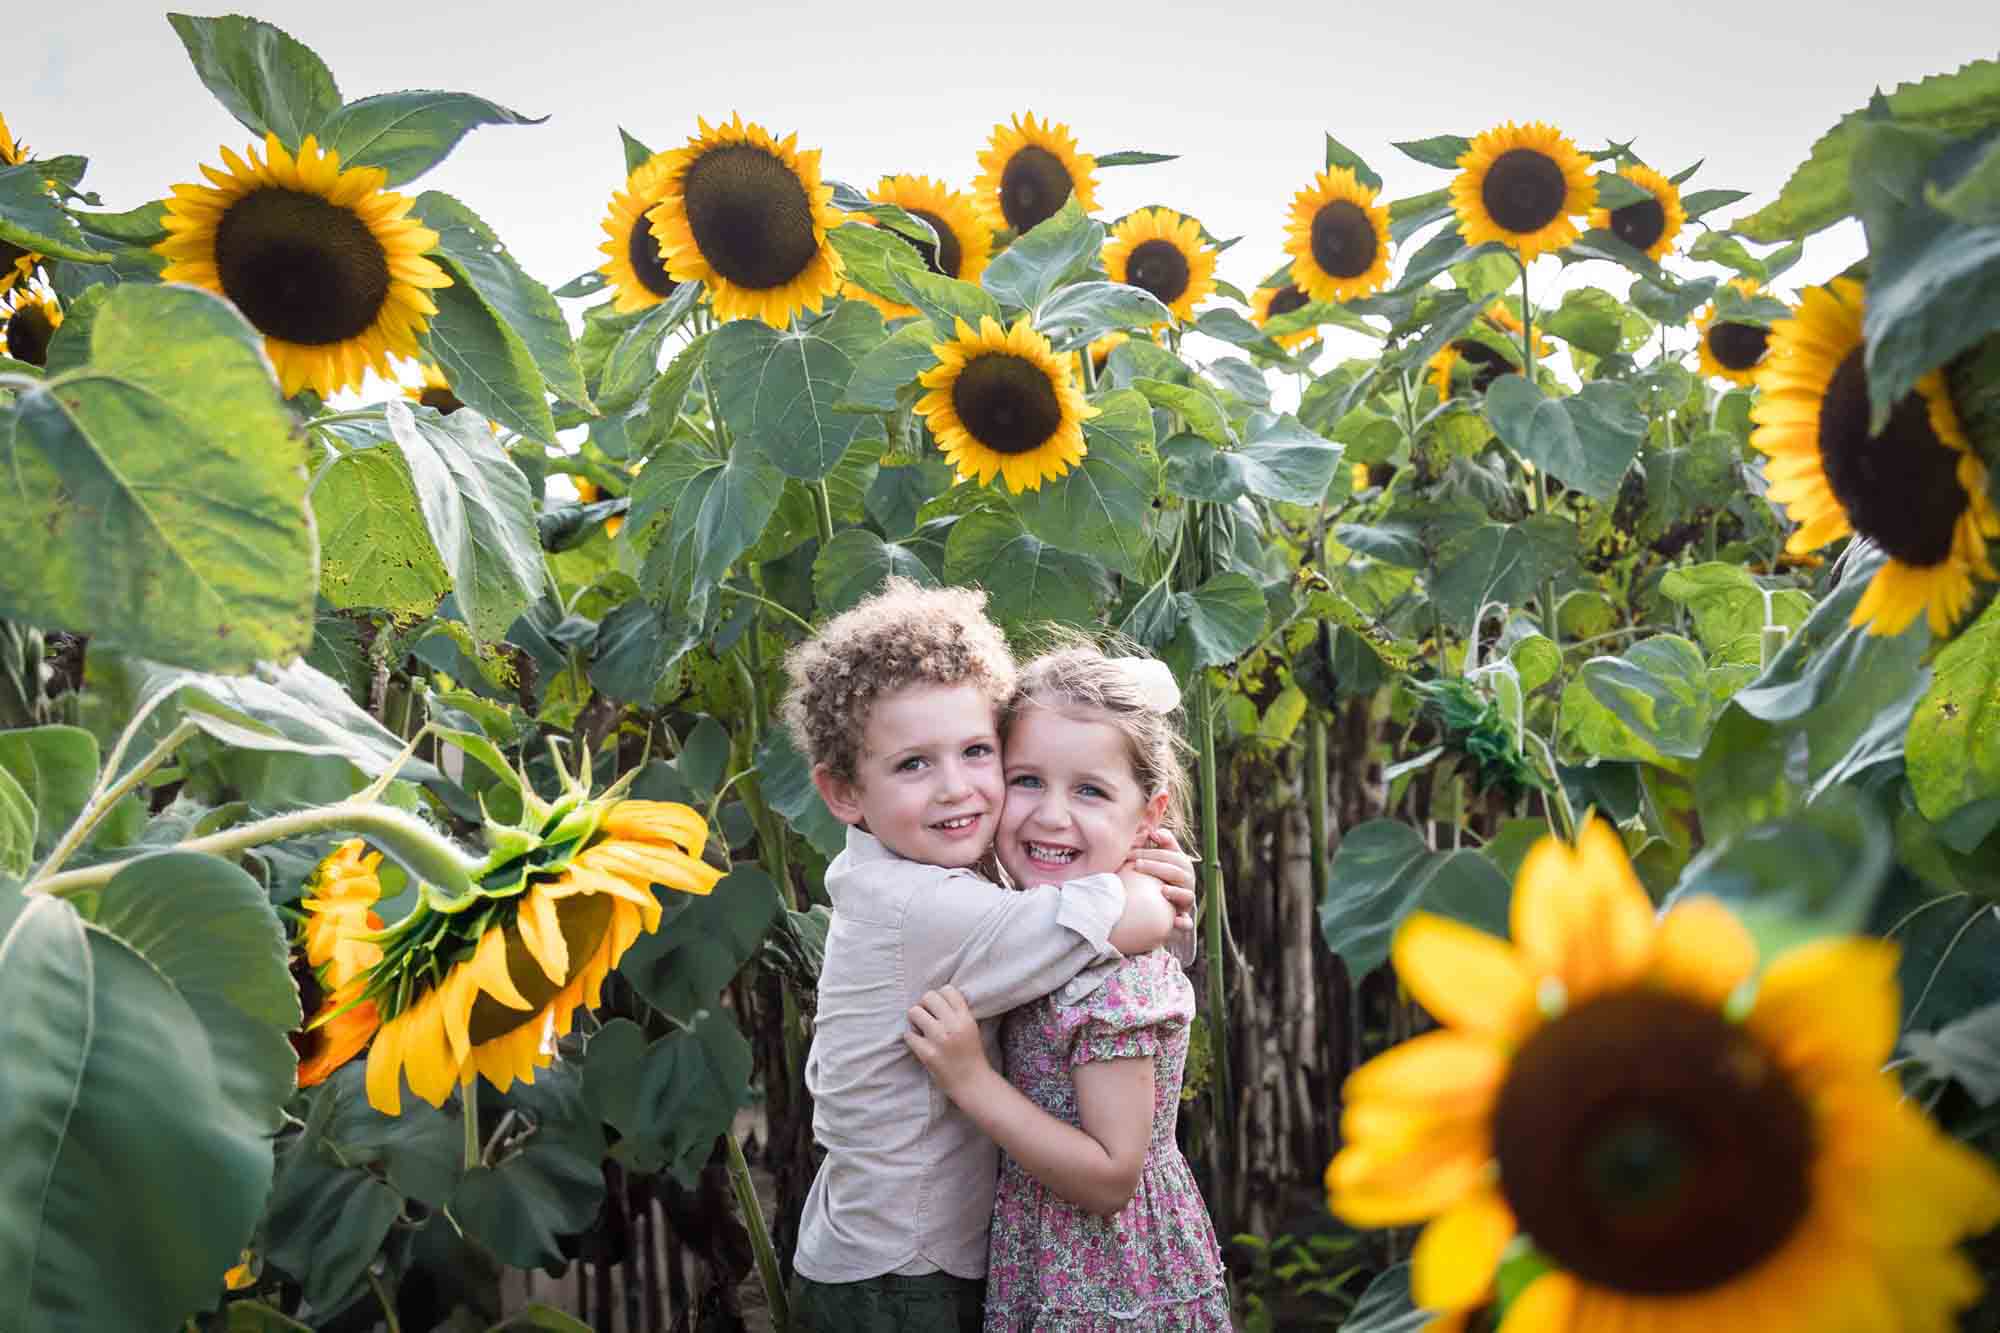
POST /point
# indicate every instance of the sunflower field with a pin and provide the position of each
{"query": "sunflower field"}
(411, 906)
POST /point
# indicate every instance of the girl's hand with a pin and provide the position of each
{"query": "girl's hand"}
(1164, 860)
(944, 1036)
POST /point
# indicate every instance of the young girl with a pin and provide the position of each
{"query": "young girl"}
(1097, 1223)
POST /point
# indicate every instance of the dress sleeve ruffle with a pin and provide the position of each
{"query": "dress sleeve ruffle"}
(1130, 1015)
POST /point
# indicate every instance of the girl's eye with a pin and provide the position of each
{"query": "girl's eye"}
(1027, 780)
(1089, 789)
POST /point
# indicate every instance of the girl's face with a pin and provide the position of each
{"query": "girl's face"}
(1074, 806)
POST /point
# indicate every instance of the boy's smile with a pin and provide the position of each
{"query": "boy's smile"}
(928, 782)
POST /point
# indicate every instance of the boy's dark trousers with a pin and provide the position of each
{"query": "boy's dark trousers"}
(932, 1303)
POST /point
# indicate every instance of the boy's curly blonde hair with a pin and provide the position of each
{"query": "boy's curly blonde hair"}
(906, 634)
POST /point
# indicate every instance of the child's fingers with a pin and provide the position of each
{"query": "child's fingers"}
(954, 1002)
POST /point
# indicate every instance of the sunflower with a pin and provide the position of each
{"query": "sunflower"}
(242, 1275)
(1267, 303)
(748, 215)
(1650, 225)
(16, 264)
(477, 985)
(340, 899)
(1499, 315)
(1338, 238)
(964, 242)
(1484, 365)
(1160, 252)
(588, 492)
(1001, 401)
(1916, 489)
(325, 263)
(1683, 1160)
(29, 318)
(1730, 350)
(1032, 167)
(435, 391)
(1520, 186)
(632, 262)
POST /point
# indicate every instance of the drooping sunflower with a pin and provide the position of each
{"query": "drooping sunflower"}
(1522, 185)
(1159, 251)
(632, 261)
(1499, 315)
(435, 391)
(1650, 225)
(1338, 238)
(1731, 350)
(1031, 168)
(1267, 303)
(1002, 402)
(16, 264)
(340, 899)
(1683, 1161)
(1916, 489)
(964, 241)
(747, 215)
(327, 265)
(29, 318)
(474, 987)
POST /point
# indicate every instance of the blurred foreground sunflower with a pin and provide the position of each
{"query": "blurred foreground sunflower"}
(747, 215)
(1683, 1160)
(1731, 350)
(632, 262)
(1650, 225)
(1160, 252)
(1267, 303)
(964, 242)
(1031, 167)
(1001, 402)
(29, 317)
(327, 265)
(1522, 185)
(1916, 489)
(1338, 238)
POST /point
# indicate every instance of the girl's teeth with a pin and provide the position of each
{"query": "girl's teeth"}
(1044, 853)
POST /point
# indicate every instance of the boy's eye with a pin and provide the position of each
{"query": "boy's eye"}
(978, 750)
(910, 765)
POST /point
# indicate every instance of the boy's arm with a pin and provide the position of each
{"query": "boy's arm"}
(1148, 918)
(1003, 948)
(1096, 1167)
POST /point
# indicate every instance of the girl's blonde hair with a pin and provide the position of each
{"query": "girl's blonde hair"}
(1078, 673)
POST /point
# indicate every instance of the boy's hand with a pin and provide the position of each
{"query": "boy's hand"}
(944, 1036)
(1164, 860)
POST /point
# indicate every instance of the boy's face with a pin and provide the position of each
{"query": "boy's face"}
(1074, 806)
(928, 782)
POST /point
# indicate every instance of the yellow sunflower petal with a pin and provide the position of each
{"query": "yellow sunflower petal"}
(1703, 951)
(385, 1066)
(541, 933)
(1465, 978)
(1455, 1259)
(1830, 1005)
(1581, 916)
(1547, 1306)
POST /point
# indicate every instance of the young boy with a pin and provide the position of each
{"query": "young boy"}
(894, 703)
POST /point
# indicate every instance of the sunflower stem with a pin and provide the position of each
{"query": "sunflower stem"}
(103, 802)
(1549, 625)
(388, 1306)
(760, 1235)
(468, 1109)
(823, 512)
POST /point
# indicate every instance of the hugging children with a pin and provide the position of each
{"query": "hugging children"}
(924, 741)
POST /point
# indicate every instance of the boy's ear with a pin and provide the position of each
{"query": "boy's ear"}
(842, 796)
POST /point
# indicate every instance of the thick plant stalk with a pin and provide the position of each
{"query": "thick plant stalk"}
(1215, 903)
(760, 1235)
(1316, 759)
(1550, 626)
(103, 802)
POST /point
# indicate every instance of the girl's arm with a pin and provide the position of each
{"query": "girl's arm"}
(1096, 1167)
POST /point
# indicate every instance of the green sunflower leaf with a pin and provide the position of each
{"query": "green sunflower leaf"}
(1586, 441)
(1027, 578)
(681, 970)
(56, 768)
(1085, 311)
(174, 445)
(375, 550)
(408, 133)
(520, 1207)
(1099, 508)
(713, 510)
(777, 387)
(262, 76)
(1699, 203)
(1504, 563)
(855, 563)
(1587, 318)
(636, 154)
(1974, 196)
(1615, 192)
(1061, 248)
(18, 824)
(671, 1099)
(785, 779)
(873, 255)
(637, 647)
(1282, 460)
(516, 300)
(945, 301)
(631, 355)
(1953, 748)
(1660, 690)
(1440, 150)
(31, 218)
(880, 377)
(1339, 154)
(1217, 623)
(1134, 157)
(1382, 872)
(1197, 405)
(487, 364)
(1409, 216)
(1718, 247)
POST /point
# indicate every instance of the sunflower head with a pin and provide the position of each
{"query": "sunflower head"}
(1681, 1160)
(29, 318)
(1729, 349)
(632, 261)
(1469, 361)
(1029, 168)
(242, 1275)
(1267, 303)
(1501, 317)
(16, 264)
(12, 154)
(1338, 238)
(589, 492)
(1001, 402)
(1916, 489)
(339, 949)
(964, 242)
(1522, 185)
(747, 214)
(1650, 225)
(1160, 252)
(327, 265)
(474, 986)
(435, 391)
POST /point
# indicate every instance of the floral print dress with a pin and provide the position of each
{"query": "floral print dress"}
(1054, 1268)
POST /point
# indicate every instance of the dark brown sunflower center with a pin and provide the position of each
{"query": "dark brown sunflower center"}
(1006, 403)
(299, 268)
(1033, 187)
(28, 334)
(944, 257)
(1158, 267)
(1738, 346)
(444, 400)
(1524, 190)
(585, 917)
(1900, 487)
(1663, 1175)
(1639, 225)
(311, 996)
(1288, 299)
(642, 248)
(750, 216)
(11, 256)
(1344, 242)
(1487, 365)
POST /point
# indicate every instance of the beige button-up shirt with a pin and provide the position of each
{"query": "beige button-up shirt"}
(907, 1184)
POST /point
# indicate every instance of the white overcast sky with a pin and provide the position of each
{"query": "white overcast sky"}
(1243, 91)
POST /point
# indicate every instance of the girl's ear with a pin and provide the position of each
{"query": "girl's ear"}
(1152, 813)
(842, 795)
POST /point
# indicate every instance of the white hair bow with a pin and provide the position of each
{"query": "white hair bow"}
(1154, 681)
